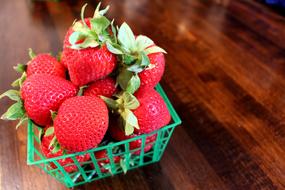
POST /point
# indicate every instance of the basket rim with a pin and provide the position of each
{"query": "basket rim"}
(30, 139)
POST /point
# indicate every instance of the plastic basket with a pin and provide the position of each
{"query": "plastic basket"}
(85, 173)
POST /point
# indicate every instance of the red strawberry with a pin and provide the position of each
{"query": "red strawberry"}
(102, 154)
(85, 53)
(89, 63)
(152, 75)
(45, 64)
(141, 113)
(152, 113)
(104, 87)
(119, 135)
(142, 64)
(81, 123)
(42, 93)
(47, 151)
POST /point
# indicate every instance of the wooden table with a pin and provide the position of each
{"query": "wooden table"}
(225, 75)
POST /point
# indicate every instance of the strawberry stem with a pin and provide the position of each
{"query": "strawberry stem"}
(81, 90)
(32, 54)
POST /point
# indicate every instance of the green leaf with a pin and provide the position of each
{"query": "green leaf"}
(49, 131)
(142, 42)
(56, 148)
(83, 30)
(16, 111)
(12, 94)
(104, 11)
(16, 83)
(123, 165)
(41, 132)
(82, 14)
(104, 37)
(52, 142)
(114, 31)
(154, 49)
(112, 104)
(136, 68)
(129, 129)
(133, 84)
(126, 37)
(32, 54)
(99, 24)
(113, 49)
(144, 59)
(130, 101)
(98, 12)
(123, 78)
(128, 59)
(131, 119)
(88, 42)
(20, 81)
(75, 37)
(22, 121)
(77, 26)
(20, 68)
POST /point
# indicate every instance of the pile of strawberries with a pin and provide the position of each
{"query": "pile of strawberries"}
(102, 81)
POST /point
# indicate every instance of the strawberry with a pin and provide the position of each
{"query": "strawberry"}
(88, 64)
(151, 76)
(47, 152)
(85, 54)
(117, 134)
(142, 62)
(103, 87)
(39, 64)
(143, 112)
(44, 64)
(81, 123)
(152, 113)
(42, 93)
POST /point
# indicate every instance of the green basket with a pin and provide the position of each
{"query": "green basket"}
(86, 173)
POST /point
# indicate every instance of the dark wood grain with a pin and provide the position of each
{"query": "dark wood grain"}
(225, 75)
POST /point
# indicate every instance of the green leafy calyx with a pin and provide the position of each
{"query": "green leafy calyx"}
(96, 34)
(128, 80)
(16, 111)
(20, 68)
(19, 82)
(133, 53)
(123, 105)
